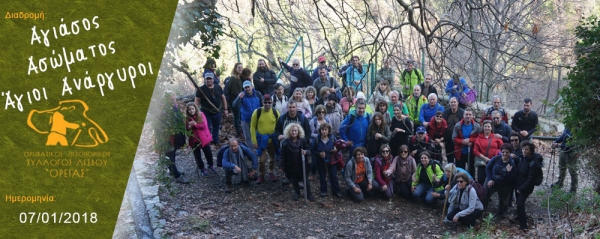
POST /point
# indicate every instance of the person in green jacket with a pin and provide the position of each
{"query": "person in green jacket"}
(410, 77)
(414, 103)
(427, 179)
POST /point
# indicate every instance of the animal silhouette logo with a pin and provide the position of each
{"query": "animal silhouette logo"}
(64, 125)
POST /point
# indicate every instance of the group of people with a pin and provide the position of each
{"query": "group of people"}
(396, 140)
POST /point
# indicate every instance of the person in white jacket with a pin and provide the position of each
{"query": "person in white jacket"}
(465, 206)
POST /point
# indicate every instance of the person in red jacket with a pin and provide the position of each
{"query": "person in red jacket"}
(485, 147)
(200, 138)
(462, 136)
(435, 129)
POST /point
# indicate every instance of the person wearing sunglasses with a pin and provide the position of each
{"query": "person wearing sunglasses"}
(383, 173)
(435, 129)
(501, 129)
(465, 206)
(315, 124)
(263, 137)
(302, 78)
(403, 167)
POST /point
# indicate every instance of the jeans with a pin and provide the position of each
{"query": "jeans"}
(326, 168)
(214, 123)
(236, 118)
(247, 136)
(521, 215)
(359, 197)
(198, 156)
(481, 175)
(423, 191)
(503, 194)
(468, 220)
(263, 159)
(172, 167)
(404, 189)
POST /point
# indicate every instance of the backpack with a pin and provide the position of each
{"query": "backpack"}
(222, 151)
(226, 89)
(419, 75)
(479, 189)
(275, 101)
(259, 112)
(537, 181)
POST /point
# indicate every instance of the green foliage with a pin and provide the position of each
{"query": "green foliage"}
(587, 201)
(197, 18)
(167, 122)
(582, 97)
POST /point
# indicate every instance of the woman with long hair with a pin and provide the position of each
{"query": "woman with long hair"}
(233, 87)
(378, 134)
(401, 128)
(293, 148)
(383, 171)
(200, 138)
(302, 104)
(348, 100)
(310, 94)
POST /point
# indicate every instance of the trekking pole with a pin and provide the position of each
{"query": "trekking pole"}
(469, 159)
(446, 201)
(552, 156)
(304, 177)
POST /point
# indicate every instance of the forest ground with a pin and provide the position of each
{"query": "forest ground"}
(202, 209)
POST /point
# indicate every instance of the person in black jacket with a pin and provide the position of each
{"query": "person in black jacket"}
(264, 78)
(427, 86)
(452, 115)
(527, 171)
(300, 78)
(500, 174)
(525, 121)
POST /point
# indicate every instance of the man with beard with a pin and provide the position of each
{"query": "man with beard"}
(264, 78)
(264, 138)
(426, 87)
(525, 121)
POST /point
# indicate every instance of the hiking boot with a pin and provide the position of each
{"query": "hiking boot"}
(228, 188)
(556, 185)
(339, 194)
(323, 195)
(212, 169)
(285, 181)
(204, 173)
(260, 180)
(310, 197)
(296, 196)
(301, 185)
(272, 177)
(181, 180)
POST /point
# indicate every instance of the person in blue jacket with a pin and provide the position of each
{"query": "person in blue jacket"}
(249, 100)
(354, 127)
(429, 110)
(233, 163)
(355, 74)
(457, 87)
(501, 172)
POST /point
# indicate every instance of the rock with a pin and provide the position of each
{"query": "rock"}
(279, 214)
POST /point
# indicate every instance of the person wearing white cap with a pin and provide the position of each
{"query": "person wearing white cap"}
(368, 108)
(248, 100)
(210, 98)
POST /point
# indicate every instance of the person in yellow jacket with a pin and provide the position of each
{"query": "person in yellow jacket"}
(264, 138)
(410, 77)
(414, 103)
(427, 178)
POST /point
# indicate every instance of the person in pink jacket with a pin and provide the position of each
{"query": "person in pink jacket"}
(485, 147)
(200, 138)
